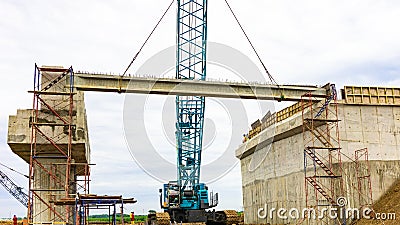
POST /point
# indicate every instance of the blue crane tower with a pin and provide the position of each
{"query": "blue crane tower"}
(186, 199)
(190, 64)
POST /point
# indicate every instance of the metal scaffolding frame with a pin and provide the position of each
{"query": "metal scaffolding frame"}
(52, 170)
(322, 152)
(85, 202)
(363, 174)
(82, 203)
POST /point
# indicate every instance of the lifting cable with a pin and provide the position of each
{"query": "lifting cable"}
(148, 37)
(1, 164)
(252, 46)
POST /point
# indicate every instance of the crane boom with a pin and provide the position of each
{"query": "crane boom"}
(191, 65)
(14, 189)
(186, 199)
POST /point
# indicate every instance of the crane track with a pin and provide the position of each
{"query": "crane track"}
(162, 218)
(231, 217)
(158, 218)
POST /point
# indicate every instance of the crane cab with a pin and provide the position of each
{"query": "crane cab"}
(191, 198)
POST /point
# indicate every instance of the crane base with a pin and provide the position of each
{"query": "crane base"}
(195, 217)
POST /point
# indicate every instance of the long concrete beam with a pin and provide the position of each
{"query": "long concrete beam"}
(167, 86)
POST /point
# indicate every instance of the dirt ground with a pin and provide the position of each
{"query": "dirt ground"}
(9, 222)
(388, 203)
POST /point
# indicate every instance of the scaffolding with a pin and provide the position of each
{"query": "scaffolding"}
(53, 172)
(82, 203)
(363, 174)
(322, 152)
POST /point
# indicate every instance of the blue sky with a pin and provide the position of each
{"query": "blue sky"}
(301, 42)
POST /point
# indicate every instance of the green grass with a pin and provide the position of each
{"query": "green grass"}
(104, 218)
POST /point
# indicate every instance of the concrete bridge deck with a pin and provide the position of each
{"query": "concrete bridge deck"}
(168, 86)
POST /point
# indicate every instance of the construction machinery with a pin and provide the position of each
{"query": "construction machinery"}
(14, 189)
(186, 199)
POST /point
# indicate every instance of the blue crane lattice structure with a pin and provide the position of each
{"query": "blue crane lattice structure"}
(186, 199)
(190, 64)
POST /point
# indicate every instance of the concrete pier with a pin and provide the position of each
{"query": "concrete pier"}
(49, 165)
(273, 176)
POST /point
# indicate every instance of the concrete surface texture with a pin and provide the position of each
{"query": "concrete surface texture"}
(273, 175)
(167, 86)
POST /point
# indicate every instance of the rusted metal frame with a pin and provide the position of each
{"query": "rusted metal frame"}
(87, 186)
(55, 81)
(306, 127)
(358, 155)
(42, 211)
(303, 109)
(321, 137)
(47, 171)
(48, 206)
(326, 134)
(85, 181)
(35, 108)
(52, 110)
(80, 186)
(56, 139)
(329, 138)
(358, 177)
(69, 150)
(319, 184)
(86, 175)
(369, 174)
(318, 134)
(338, 149)
(61, 105)
(333, 125)
(316, 156)
(35, 131)
(50, 140)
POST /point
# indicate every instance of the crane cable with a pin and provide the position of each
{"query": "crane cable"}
(252, 46)
(148, 37)
(1, 164)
